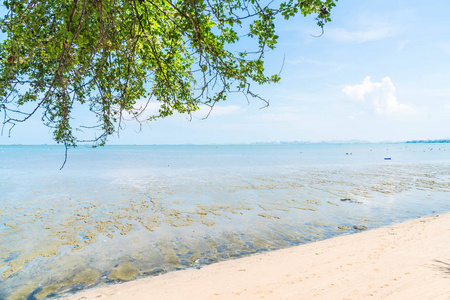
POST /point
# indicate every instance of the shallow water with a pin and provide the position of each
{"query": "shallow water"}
(123, 212)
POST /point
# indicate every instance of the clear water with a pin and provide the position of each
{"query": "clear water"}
(122, 212)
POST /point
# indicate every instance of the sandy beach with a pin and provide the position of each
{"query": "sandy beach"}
(410, 260)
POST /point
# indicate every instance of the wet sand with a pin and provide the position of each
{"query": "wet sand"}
(410, 260)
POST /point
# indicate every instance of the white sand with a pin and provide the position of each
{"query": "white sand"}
(404, 261)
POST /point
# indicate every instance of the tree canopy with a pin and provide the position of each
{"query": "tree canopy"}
(109, 55)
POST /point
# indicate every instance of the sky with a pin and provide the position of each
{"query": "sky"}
(380, 72)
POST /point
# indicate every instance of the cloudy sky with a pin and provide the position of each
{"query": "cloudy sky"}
(380, 72)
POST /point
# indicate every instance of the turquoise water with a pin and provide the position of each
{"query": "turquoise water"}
(123, 212)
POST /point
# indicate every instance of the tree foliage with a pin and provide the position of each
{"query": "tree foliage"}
(110, 54)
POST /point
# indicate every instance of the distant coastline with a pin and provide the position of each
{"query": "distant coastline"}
(429, 141)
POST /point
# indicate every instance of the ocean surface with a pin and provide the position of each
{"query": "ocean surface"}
(122, 212)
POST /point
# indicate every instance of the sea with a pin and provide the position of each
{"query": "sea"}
(117, 213)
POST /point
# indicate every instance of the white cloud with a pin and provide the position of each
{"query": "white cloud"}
(321, 68)
(371, 34)
(303, 60)
(277, 117)
(218, 110)
(356, 115)
(145, 108)
(372, 27)
(402, 45)
(149, 109)
(446, 48)
(378, 96)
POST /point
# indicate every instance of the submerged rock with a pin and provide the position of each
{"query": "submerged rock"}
(361, 227)
(344, 227)
(351, 200)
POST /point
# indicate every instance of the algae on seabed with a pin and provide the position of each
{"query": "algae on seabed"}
(124, 271)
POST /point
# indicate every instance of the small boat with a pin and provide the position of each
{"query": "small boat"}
(387, 158)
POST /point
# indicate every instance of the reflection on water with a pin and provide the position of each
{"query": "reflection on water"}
(135, 216)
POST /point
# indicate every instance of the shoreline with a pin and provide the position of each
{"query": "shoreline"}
(400, 261)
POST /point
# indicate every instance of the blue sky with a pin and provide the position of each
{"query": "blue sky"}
(380, 72)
